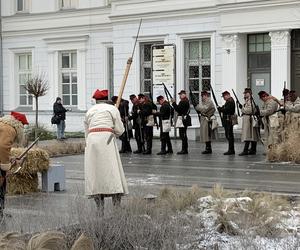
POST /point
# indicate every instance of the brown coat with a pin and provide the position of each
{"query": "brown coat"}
(249, 132)
(11, 131)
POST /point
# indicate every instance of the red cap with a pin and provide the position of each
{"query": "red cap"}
(100, 94)
(20, 117)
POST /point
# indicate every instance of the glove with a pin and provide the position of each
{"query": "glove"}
(219, 108)
(240, 105)
(283, 111)
(257, 113)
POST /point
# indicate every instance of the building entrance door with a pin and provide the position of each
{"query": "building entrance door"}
(259, 63)
(295, 62)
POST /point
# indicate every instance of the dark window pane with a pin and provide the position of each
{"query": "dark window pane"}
(65, 77)
(20, 6)
(66, 99)
(74, 99)
(267, 38)
(267, 47)
(193, 71)
(147, 73)
(264, 61)
(252, 39)
(147, 52)
(65, 60)
(30, 98)
(259, 38)
(259, 47)
(206, 71)
(66, 89)
(206, 84)
(147, 86)
(74, 77)
(194, 85)
(23, 100)
(74, 89)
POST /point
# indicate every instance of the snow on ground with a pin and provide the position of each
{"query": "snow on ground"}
(211, 237)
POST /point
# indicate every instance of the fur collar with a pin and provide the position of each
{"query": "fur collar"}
(17, 125)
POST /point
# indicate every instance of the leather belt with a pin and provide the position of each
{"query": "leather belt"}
(92, 130)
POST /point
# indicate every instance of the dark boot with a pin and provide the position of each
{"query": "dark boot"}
(252, 150)
(163, 147)
(246, 149)
(99, 199)
(116, 200)
(208, 149)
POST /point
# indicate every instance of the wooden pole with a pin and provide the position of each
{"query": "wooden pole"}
(129, 62)
(121, 91)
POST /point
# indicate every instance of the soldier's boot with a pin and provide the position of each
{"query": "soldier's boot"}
(252, 150)
(246, 149)
(163, 148)
(116, 200)
(169, 145)
(208, 149)
(99, 200)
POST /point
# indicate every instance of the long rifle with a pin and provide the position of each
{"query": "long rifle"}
(237, 102)
(167, 92)
(21, 156)
(194, 103)
(216, 103)
(169, 96)
(129, 62)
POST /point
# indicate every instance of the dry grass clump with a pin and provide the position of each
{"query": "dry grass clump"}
(259, 214)
(179, 200)
(64, 148)
(288, 150)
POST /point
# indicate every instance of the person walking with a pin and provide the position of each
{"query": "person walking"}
(125, 137)
(249, 131)
(135, 117)
(183, 119)
(228, 113)
(104, 175)
(207, 109)
(11, 132)
(60, 112)
(164, 115)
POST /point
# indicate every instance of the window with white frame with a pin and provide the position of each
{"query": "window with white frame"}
(68, 4)
(24, 74)
(22, 5)
(146, 70)
(68, 76)
(197, 65)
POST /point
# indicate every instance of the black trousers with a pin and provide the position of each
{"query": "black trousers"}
(229, 135)
(148, 135)
(165, 142)
(184, 139)
(2, 192)
(125, 142)
(139, 137)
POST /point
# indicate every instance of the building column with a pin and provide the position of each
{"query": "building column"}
(81, 79)
(280, 61)
(234, 61)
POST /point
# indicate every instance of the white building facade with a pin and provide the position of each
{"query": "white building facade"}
(81, 45)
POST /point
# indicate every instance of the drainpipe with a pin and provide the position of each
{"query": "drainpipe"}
(1, 63)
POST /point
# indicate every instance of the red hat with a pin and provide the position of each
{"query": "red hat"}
(20, 117)
(100, 94)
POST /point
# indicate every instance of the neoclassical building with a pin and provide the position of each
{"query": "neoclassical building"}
(81, 45)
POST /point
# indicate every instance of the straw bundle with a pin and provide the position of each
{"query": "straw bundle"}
(22, 183)
(289, 149)
(51, 240)
(12, 241)
(37, 160)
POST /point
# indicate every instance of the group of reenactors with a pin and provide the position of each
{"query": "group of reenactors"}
(145, 115)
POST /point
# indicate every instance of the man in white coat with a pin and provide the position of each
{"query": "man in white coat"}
(104, 175)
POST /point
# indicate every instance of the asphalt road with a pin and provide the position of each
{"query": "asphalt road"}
(148, 174)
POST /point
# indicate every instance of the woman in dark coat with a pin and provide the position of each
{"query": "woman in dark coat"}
(60, 112)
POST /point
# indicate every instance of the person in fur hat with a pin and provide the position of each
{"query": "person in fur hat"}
(104, 175)
(11, 132)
